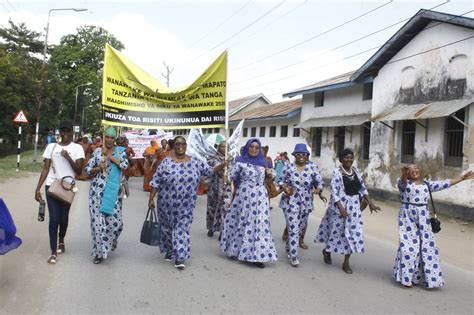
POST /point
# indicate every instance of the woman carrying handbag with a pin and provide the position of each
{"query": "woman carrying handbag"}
(63, 159)
(417, 260)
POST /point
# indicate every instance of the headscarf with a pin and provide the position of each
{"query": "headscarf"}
(151, 150)
(110, 132)
(259, 160)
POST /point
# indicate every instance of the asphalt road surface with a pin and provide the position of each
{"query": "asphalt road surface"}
(136, 278)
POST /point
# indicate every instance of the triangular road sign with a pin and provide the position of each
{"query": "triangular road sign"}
(20, 117)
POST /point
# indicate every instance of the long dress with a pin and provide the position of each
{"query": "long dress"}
(219, 197)
(177, 183)
(246, 234)
(417, 257)
(298, 206)
(105, 229)
(343, 235)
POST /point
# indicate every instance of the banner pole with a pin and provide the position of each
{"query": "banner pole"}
(226, 126)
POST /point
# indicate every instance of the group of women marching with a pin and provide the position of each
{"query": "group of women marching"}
(239, 205)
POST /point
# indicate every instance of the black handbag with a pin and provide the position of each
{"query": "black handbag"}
(435, 223)
(151, 230)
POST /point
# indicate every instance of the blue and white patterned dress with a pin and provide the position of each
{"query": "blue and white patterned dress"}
(417, 257)
(105, 229)
(343, 235)
(219, 197)
(246, 234)
(177, 184)
(298, 206)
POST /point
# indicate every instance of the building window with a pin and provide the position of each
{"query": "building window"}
(319, 99)
(253, 132)
(273, 131)
(262, 131)
(453, 140)
(366, 140)
(296, 132)
(340, 139)
(316, 140)
(284, 131)
(209, 130)
(216, 130)
(231, 131)
(367, 91)
(408, 141)
(245, 132)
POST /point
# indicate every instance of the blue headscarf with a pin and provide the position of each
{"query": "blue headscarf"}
(259, 160)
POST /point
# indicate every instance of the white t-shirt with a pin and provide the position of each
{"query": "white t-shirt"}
(61, 164)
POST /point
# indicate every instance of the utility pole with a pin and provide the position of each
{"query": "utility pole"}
(168, 73)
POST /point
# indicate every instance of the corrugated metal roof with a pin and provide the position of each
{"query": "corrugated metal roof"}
(422, 111)
(238, 104)
(342, 78)
(403, 36)
(335, 121)
(274, 110)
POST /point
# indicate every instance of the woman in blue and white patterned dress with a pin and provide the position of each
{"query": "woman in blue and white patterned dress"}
(417, 257)
(106, 170)
(341, 227)
(299, 181)
(176, 181)
(219, 193)
(246, 234)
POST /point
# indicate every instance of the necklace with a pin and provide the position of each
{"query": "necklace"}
(346, 172)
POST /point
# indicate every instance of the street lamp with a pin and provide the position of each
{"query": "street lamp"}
(75, 104)
(41, 97)
(83, 127)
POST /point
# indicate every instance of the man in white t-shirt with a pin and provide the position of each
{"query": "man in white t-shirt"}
(61, 159)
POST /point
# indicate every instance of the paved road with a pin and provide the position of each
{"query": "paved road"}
(136, 279)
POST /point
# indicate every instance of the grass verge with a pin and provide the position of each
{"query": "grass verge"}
(8, 165)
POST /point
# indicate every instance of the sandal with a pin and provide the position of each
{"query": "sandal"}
(61, 248)
(327, 257)
(97, 260)
(52, 259)
(408, 286)
(303, 245)
(347, 269)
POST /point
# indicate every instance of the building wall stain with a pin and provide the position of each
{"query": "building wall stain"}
(445, 90)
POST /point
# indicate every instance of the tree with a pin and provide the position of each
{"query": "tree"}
(19, 76)
(79, 59)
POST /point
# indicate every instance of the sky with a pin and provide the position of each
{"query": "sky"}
(274, 46)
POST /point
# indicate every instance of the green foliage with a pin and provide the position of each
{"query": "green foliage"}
(78, 60)
(26, 83)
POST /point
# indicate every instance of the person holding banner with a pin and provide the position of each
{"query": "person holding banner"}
(219, 194)
(246, 234)
(105, 207)
(175, 181)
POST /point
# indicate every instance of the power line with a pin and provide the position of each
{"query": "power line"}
(11, 5)
(5, 8)
(314, 36)
(220, 24)
(323, 66)
(241, 30)
(347, 44)
(268, 24)
(430, 50)
(365, 51)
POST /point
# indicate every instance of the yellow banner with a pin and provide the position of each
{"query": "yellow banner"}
(131, 97)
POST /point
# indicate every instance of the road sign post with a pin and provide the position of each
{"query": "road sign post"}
(19, 119)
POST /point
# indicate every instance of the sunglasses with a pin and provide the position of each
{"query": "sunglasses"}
(301, 154)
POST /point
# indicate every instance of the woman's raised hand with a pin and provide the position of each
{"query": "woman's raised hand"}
(468, 175)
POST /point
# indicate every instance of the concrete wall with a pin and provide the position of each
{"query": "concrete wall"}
(340, 102)
(423, 79)
(345, 101)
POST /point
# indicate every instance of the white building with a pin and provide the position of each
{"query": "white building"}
(422, 108)
(274, 124)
